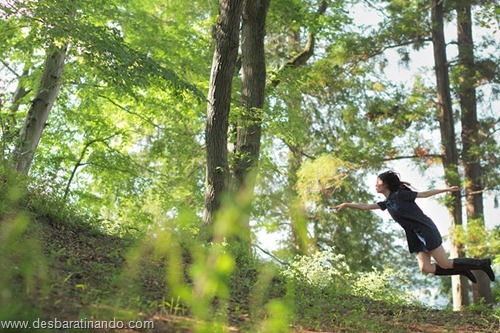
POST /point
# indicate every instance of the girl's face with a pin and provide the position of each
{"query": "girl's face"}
(380, 186)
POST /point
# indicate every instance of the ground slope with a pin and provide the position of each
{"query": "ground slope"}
(85, 279)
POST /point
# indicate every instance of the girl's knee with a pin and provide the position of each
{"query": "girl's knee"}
(441, 258)
(427, 269)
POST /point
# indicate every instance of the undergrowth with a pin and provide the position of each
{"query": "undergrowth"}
(56, 263)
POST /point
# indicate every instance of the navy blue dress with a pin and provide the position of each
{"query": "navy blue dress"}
(422, 234)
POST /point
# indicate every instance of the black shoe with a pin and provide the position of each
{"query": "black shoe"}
(475, 264)
(455, 271)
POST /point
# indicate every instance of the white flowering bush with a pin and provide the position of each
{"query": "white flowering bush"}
(385, 285)
(322, 283)
(321, 269)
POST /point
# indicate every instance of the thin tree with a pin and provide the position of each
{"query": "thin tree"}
(21, 91)
(41, 105)
(471, 157)
(299, 242)
(450, 153)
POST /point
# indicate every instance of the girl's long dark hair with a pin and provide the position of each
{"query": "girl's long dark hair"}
(391, 179)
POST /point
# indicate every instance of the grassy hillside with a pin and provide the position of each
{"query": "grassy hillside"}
(60, 271)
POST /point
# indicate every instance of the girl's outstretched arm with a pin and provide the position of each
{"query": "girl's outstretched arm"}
(361, 206)
(429, 193)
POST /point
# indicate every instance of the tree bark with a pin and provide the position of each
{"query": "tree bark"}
(450, 154)
(20, 92)
(249, 129)
(45, 97)
(226, 35)
(470, 140)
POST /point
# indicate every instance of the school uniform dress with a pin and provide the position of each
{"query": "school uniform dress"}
(422, 234)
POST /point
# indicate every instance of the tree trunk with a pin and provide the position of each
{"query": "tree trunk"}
(470, 141)
(299, 242)
(450, 155)
(45, 97)
(249, 127)
(226, 35)
(20, 92)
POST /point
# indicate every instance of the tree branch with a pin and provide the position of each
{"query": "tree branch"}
(10, 68)
(79, 162)
(393, 158)
(308, 51)
(271, 255)
(146, 119)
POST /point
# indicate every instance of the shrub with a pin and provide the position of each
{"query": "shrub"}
(321, 269)
(322, 283)
(385, 285)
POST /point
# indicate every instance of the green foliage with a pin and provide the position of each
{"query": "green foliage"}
(386, 285)
(327, 181)
(112, 104)
(12, 189)
(320, 270)
(323, 283)
(488, 16)
(324, 174)
(23, 268)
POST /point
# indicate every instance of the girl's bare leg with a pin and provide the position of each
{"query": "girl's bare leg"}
(443, 266)
(424, 262)
(441, 257)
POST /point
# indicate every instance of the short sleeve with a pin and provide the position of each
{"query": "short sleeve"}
(407, 195)
(382, 205)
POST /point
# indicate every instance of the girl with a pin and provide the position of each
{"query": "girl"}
(422, 235)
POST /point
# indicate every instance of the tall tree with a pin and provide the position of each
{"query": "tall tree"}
(249, 128)
(301, 49)
(471, 156)
(450, 153)
(226, 36)
(45, 97)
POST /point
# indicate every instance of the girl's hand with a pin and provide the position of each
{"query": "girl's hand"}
(360, 206)
(339, 207)
(454, 189)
